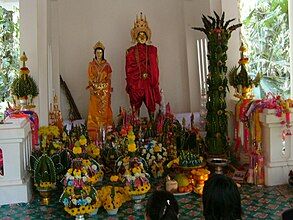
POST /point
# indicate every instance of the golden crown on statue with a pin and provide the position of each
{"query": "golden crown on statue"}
(99, 45)
(140, 25)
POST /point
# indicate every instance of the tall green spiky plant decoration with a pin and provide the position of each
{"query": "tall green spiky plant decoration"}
(218, 34)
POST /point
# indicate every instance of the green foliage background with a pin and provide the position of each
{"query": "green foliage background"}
(266, 33)
(9, 50)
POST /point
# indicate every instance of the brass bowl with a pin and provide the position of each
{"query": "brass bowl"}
(218, 163)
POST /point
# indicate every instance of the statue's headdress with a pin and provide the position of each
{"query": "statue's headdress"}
(140, 25)
(99, 45)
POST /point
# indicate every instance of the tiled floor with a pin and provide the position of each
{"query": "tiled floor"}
(257, 203)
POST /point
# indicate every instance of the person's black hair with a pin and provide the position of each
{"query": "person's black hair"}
(103, 58)
(162, 205)
(221, 199)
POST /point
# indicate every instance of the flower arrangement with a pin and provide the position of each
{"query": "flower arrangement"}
(131, 142)
(79, 197)
(44, 173)
(45, 186)
(136, 179)
(240, 80)
(80, 201)
(94, 171)
(132, 169)
(85, 148)
(24, 85)
(79, 145)
(155, 155)
(88, 173)
(112, 195)
(47, 135)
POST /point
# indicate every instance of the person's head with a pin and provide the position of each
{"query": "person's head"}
(99, 53)
(162, 205)
(141, 30)
(141, 37)
(221, 199)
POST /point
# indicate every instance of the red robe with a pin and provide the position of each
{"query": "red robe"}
(142, 76)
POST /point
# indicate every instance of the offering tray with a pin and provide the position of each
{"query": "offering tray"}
(203, 164)
(181, 194)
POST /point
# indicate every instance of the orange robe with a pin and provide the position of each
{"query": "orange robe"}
(100, 112)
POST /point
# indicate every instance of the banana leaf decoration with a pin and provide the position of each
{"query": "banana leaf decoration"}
(44, 170)
(218, 32)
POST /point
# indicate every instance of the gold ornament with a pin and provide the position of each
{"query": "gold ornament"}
(99, 45)
(140, 25)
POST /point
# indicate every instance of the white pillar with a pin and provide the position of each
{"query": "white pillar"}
(34, 41)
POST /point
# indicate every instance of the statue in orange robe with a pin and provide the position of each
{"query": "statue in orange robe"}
(100, 112)
(142, 72)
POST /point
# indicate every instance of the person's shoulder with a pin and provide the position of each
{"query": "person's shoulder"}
(130, 49)
(152, 47)
(91, 63)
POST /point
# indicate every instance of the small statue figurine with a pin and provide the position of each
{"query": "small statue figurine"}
(99, 74)
(290, 178)
(55, 116)
(142, 72)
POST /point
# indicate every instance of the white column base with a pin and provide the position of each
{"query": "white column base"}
(20, 193)
(278, 158)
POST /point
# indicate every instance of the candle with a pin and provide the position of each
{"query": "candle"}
(202, 63)
(206, 61)
(199, 65)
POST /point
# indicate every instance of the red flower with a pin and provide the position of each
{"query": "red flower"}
(217, 30)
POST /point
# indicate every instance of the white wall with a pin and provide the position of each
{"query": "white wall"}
(193, 11)
(82, 23)
(70, 28)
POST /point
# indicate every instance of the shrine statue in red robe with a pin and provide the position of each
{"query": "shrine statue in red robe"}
(142, 72)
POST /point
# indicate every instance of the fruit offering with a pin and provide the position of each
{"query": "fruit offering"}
(171, 185)
(184, 183)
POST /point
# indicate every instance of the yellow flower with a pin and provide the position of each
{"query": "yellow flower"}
(86, 162)
(157, 148)
(82, 209)
(126, 159)
(76, 173)
(136, 170)
(56, 145)
(87, 189)
(82, 140)
(77, 150)
(114, 178)
(54, 130)
(70, 189)
(43, 131)
(96, 151)
(69, 171)
(132, 147)
(131, 137)
(74, 211)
